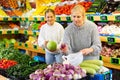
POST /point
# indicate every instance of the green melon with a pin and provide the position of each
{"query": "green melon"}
(51, 45)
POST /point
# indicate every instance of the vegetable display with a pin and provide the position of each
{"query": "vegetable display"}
(91, 66)
(17, 65)
(58, 71)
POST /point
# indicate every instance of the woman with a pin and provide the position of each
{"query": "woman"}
(82, 35)
(51, 31)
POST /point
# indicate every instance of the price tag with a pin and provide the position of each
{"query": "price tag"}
(20, 44)
(5, 19)
(34, 33)
(35, 19)
(68, 19)
(115, 60)
(42, 19)
(14, 19)
(9, 32)
(35, 46)
(33, 63)
(26, 45)
(90, 18)
(26, 19)
(100, 57)
(0, 32)
(103, 18)
(16, 32)
(111, 40)
(58, 19)
(117, 18)
(20, 19)
(25, 32)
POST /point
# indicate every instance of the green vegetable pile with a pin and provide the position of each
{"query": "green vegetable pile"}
(23, 68)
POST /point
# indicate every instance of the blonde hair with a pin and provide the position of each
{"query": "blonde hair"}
(80, 9)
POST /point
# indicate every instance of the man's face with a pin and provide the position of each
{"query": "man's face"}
(50, 18)
(77, 18)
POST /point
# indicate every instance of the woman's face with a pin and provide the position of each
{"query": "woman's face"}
(77, 18)
(50, 18)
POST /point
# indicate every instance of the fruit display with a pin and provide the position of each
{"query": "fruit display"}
(9, 3)
(110, 50)
(31, 40)
(66, 8)
(8, 41)
(10, 25)
(41, 10)
(28, 6)
(2, 13)
(97, 6)
(110, 28)
(110, 7)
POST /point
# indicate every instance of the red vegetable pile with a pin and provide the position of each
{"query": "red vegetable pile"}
(5, 64)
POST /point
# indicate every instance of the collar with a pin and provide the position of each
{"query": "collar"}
(78, 27)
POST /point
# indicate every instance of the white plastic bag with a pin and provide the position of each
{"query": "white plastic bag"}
(74, 58)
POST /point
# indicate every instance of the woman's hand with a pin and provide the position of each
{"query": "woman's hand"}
(45, 43)
(86, 51)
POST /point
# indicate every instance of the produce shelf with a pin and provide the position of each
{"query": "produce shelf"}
(34, 48)
(105, 59)
(110, 39)
(28, 32)
(115, 60)
(7, 31)
(92, 17)
(109, 62)
(110, 65)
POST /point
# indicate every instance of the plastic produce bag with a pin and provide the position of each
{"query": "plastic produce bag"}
(75, 58)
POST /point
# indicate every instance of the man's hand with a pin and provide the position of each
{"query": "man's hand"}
(86, 51)
(64, 48)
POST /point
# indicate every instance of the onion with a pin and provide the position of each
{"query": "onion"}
(52, 78)
(46, 70)
(34, 76)
(76, 76)
(48, 75)
(39, 71)
(83, 73)
(71, 71)
(79, 76)
(66, 66)
(70, 76)
(62, 75)
(49, 66)
(66, 78)
(31, 75)
(71, 67)
(61, 78)
(56, 73)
